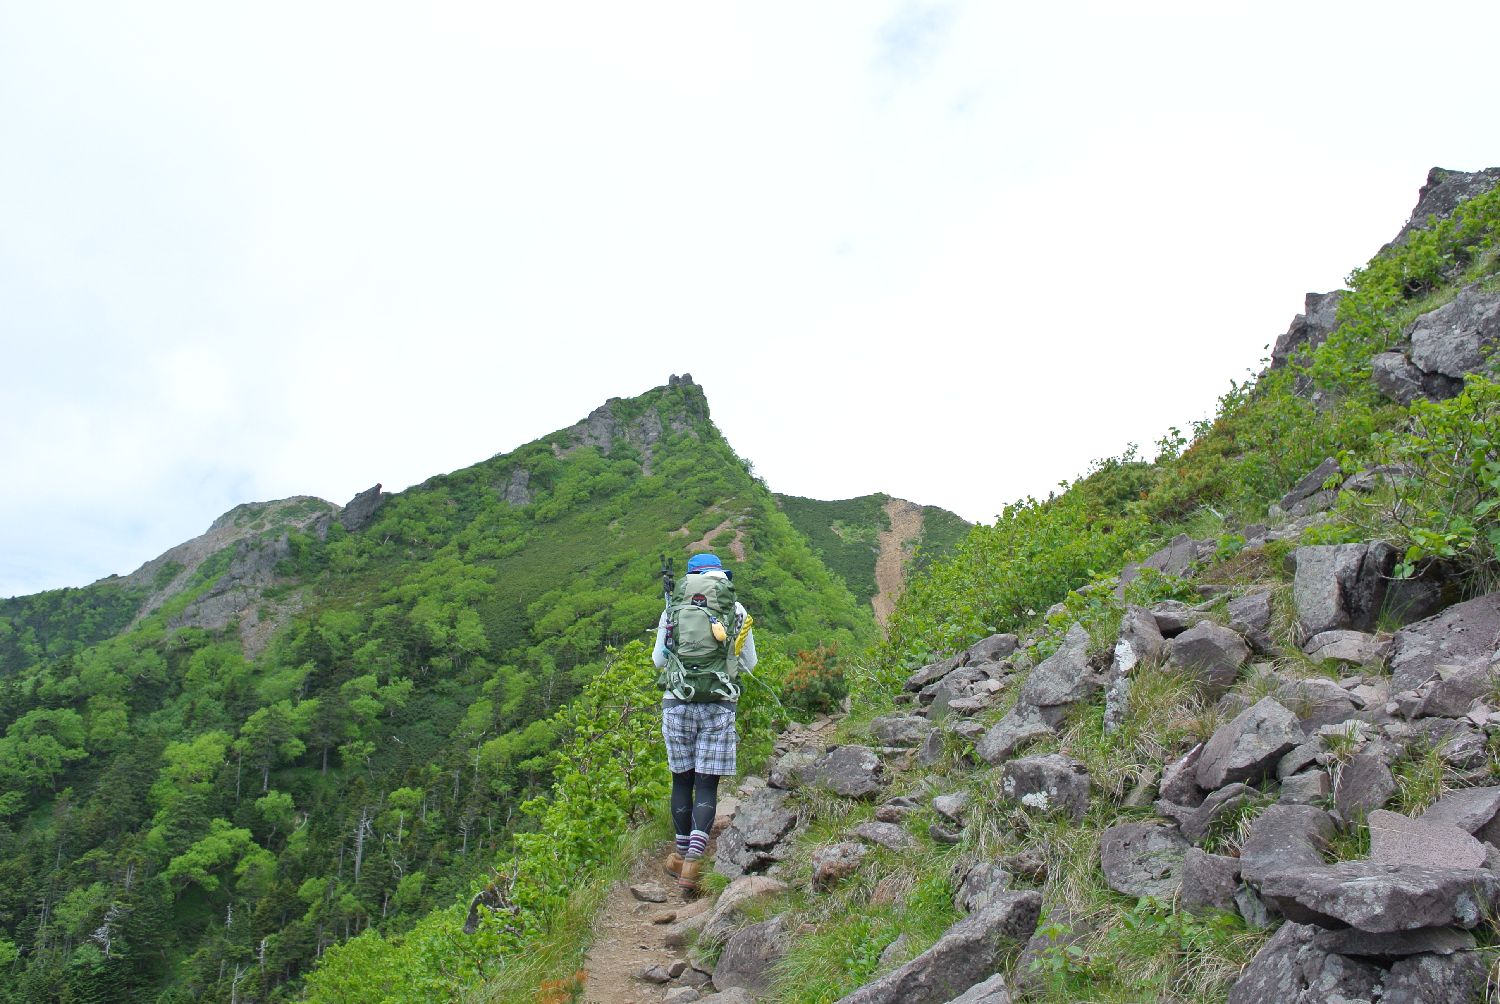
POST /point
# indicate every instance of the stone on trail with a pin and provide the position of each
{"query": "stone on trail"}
(729, 910)
(749, 955)
(1248, 747)
(967, 953)
(1378, 897)
(1142, 859)
(758, 836)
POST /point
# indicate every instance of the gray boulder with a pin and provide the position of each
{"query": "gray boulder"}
(1340, 585)
(832, 864)
(793, 768)
(1397, 839)
(1291, 969)
(1455, 688)
(1355, 647)
(1308, 329)
(1378, 897)
(1285, 837)
(1400, 380)
(1142, 859)
(1365, 784)
(747, 958)
(1062, 679)
(1250, 615)
(1248, 747)
(361, 509)
(1196, 821)
(850, 771)
(1466, 634)
(1018, 729)
(969, 952)
(728, 912)
(1472, 810)
(901, 730)
(1140, 642)
(757, 838)
(1394, 944)
(991, 991)
(952, 807)
(1456, 978)
(1212, 653)
(1312, 483)
(1307, 788)
(1047, 783)
(1179, 780)
(1209, 881)
(979, 885)
(891, 836)
(1454, 339)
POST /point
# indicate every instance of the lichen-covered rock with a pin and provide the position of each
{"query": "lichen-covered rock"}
(991, 991)
(1142, 859)
(1290, 969)
(979, 884)
(891, 836)
(1248, 747)
(1140, 642)
(1378, 897)
(1355, 647)
(1051, 783)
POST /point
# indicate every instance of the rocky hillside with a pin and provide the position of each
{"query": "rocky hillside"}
(1217, 727)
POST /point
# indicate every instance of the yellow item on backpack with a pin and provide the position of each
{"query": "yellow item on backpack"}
(739, 640)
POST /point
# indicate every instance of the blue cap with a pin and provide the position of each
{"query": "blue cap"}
(704, 563)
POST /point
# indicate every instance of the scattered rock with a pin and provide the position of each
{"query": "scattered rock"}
(831, 865)
(1285, 838)
(682, 995)
(1364, 784)
(649, 892)
(1454, 690)
(1248, 747)
(1047, 783)
(1142, 859)
(1209, 881)
(991, 991)
(1308, 329)
(1340, 585)
(1289, 968)
(1308, 788)
(967, 953)
(1359, 648)
(1212, 653)
(1452, 340)
(1473, 810)
(729, 910)
(1466, 634)
(1179, 781)
(850, 771)
(1140, 642)
(980, 884)
(1250, 615)
(888, 835)
(1196, 821)
(901, 730)
(952, 807)
(1438, 979)
(1017, 730)
(657, 974)
(793, 768)
(1363, 944)
(1063, 678)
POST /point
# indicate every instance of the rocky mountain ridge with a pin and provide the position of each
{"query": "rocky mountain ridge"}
(1265, 754)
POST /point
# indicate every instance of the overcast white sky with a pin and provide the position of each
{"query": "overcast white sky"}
(950, 251)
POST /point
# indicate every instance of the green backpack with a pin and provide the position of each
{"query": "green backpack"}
(701, 666)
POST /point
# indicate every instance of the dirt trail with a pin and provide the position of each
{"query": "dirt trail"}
(626, 940)
(895, 549)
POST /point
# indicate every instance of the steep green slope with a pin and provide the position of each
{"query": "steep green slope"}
(315, 730)
(846, 535)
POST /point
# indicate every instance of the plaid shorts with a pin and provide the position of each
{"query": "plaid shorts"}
(700, 737)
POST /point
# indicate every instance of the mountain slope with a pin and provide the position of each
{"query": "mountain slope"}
(847, 534)
(310, 721)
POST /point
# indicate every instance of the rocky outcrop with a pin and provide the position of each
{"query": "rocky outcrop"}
(360, 511)
(1443, 192)
(1466, 634)
(1341, 586)
(1441, 347)
(1308, 329)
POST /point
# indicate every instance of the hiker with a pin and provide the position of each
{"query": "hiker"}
(703, 642)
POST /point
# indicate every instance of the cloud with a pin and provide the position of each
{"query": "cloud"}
(910, 42)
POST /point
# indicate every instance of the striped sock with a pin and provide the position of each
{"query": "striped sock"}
(697, 844)
(683, 842)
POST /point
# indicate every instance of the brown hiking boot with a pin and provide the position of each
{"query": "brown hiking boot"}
(674, 863)
(687, 879)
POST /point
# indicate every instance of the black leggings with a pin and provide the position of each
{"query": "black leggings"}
(695, 801)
